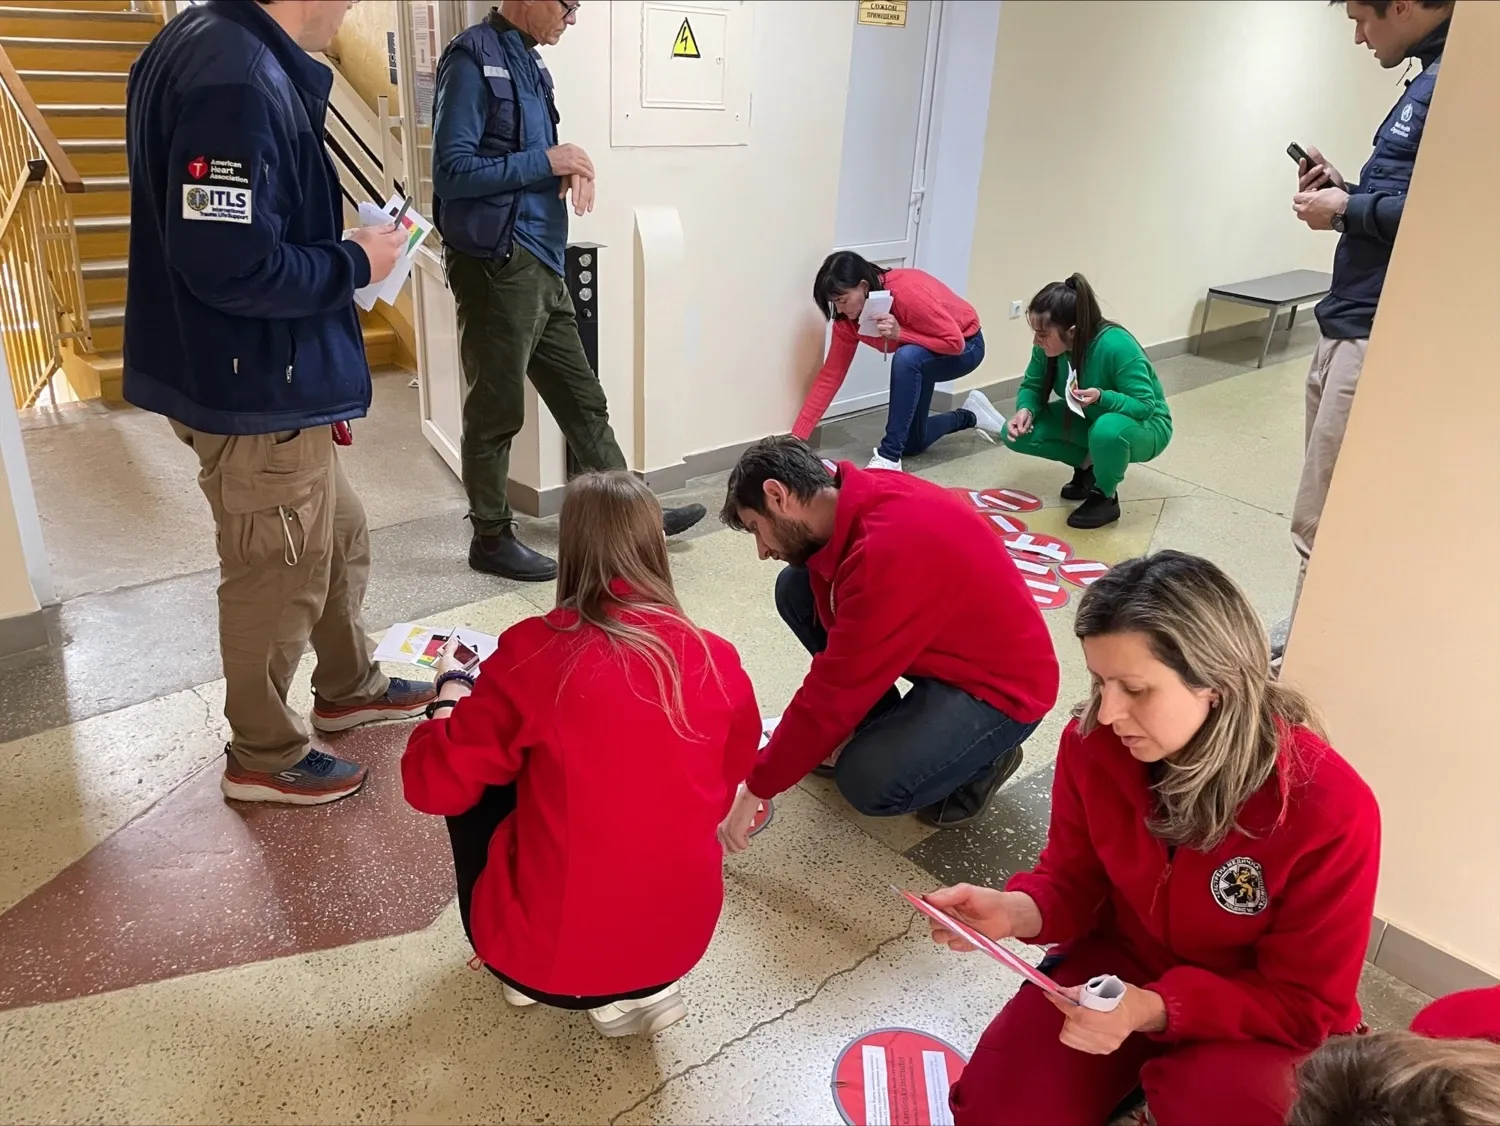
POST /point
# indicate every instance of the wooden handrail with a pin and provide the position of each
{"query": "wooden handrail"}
(67, 175)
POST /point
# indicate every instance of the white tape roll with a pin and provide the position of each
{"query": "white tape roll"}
(1103, 993)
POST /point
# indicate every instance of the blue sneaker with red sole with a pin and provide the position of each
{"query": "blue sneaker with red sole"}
(405, 699)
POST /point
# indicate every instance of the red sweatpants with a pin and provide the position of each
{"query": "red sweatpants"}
(1022, 1075)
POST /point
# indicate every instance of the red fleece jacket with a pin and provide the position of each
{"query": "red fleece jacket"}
(910, 584)
(608, 877)
(929, 313)
(1261, 938)
(1473, 1014)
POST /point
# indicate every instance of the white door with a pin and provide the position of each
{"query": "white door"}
(424, 29)
(882, 174)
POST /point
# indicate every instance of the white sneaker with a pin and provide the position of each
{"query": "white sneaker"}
(878, 462)
(645, 1017)
(515, 998)
(986, 417)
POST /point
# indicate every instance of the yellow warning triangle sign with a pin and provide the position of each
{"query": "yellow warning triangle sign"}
(685, 46)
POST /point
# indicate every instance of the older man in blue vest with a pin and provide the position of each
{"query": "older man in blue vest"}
(502, 182)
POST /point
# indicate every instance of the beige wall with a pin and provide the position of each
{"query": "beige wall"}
(1398, 631)
(1143, 143)
(16, 596)
(757, 219)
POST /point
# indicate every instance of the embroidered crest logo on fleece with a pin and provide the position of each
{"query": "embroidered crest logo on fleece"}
(216, 205)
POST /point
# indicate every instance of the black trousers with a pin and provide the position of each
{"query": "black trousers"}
(470, 833)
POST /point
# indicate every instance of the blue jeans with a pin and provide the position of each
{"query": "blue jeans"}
(911, 751)
(915, 370)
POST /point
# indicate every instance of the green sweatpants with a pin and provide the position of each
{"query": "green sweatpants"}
(516, 320)
(1112, 440)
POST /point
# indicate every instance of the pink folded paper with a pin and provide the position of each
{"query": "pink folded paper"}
(988, 945)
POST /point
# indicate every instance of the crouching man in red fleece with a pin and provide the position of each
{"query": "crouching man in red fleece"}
(1207, 847)
(890, 576)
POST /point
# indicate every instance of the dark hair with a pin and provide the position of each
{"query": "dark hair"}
(1398, 1079)
(1069, 304)
(1382, 6)
(781, 458)
(840, 272)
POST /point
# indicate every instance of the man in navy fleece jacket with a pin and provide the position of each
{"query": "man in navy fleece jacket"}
(240, 328)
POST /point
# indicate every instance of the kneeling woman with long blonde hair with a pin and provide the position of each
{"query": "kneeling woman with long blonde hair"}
(1207, 847)
(585, 772)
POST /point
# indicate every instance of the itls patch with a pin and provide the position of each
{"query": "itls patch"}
(217, 191)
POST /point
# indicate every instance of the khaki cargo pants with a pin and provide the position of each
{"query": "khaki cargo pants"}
(294, 560)
(1331, 381)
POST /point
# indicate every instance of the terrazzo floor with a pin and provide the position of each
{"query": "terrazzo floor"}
(170, 958)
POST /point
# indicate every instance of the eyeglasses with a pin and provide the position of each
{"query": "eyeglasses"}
(570, 10)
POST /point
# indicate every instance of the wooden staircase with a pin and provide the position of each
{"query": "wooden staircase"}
(74, 57)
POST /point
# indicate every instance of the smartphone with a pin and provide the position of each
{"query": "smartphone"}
(1299, 154)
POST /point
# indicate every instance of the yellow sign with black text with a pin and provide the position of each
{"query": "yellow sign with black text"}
(883, 13)
(685, 46)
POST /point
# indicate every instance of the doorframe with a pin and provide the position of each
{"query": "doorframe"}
(951, 148)
(970, 34)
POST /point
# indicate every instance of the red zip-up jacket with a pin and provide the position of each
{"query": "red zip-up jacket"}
(911, 584)
(608, 877)
(929, 313)
(1261, 938)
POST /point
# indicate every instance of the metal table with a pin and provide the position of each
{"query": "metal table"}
(1275, 294)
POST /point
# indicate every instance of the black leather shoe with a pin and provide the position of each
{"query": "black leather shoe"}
(969, 801)
(675, 521)
(1078, 488)
(1096, 511)
(508, 557)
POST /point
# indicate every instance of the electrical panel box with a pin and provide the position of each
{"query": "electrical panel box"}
(680, 72)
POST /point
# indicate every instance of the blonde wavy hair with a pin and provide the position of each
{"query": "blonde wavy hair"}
(1399, 1079)
(1199, 624)
(610, 529)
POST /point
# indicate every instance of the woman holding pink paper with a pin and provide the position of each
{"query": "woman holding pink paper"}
(1207, 847)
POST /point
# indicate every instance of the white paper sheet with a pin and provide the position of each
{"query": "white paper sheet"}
(417, 229)
(408, 644)
(878, 304)
(1073, 404)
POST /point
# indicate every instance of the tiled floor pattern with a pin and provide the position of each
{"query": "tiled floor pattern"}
(170, 958)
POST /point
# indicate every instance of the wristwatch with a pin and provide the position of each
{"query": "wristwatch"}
(1337, 222)
(432, 708)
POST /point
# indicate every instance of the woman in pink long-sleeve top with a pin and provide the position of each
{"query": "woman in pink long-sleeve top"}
(931, 335)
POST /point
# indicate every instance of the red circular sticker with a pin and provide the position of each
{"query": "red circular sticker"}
(1039, 547)
(1082, 572)
(1007, 500)
(1005, 524)
(762, 817)
(1046, 588)
(898, 1076)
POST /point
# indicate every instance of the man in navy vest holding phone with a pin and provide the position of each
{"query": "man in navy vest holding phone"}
(1367, 216)
(501, 182)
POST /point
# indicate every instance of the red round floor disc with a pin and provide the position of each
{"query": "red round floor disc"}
(1046, 588)
(762, 817)
(1082, 572)
(1039, 547)
(1009, 500)
(898, 1076)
